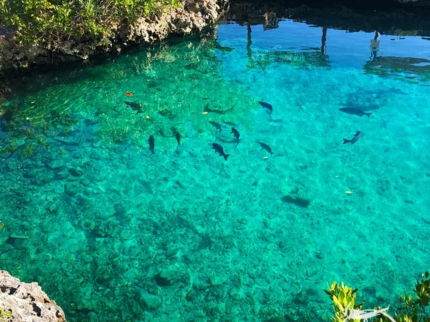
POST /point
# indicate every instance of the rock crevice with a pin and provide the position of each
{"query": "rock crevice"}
(26, 302)
(192, 17)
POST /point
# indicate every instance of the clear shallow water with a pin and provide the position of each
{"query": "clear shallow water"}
(109, 229)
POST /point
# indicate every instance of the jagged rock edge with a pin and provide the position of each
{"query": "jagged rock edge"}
(191, 17)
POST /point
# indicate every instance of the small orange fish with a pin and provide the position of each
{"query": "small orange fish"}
(129, 94)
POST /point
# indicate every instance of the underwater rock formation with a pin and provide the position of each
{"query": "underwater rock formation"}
(192, 17)
(26, 302)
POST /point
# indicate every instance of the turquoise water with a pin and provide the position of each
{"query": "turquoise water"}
(113, 232)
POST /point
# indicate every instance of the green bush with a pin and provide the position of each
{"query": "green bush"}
(411, 308)
(343, 298)
(415, 308)
(52, 21)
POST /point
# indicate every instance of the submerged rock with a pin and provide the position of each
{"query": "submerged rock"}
(26, 301)
(76, 172)
(4, 235)
(32, 173)
(55, 164)
(61, 175)
(72, 188)
(151, 302)
(216, 280)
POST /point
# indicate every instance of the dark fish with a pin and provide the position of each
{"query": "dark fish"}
(178, 137)
(216, 125)
(218, 148)
(266, 105)
(354, 111)
(135, 106)
(356, 137)
(265, 147)
(151, 142)
(207, 109)
(236, 134)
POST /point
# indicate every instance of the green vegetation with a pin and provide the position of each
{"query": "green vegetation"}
(415, 308)
(412, 308)
(343, 298)
(5, 315)
(53, 21)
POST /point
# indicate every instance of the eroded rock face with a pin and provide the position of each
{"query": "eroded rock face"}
(193, 16)
(26, 302)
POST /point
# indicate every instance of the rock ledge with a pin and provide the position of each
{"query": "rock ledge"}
(192, 17)
(26, 302)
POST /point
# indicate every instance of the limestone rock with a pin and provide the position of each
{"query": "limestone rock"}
(26, 302)
(191, 17)
(152, 302)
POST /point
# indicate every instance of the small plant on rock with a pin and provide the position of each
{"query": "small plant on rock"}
(343, 298)
(415, 308)
(5, 315)
(411, 308)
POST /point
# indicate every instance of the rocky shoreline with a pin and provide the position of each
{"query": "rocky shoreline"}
(192, 17)
(26, 302)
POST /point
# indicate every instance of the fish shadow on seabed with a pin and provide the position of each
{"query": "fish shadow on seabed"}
(354, 111)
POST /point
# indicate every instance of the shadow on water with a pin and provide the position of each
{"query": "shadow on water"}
(411, 69)
(388, 16)
(390, 19)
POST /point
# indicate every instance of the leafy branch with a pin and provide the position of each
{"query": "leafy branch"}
(51, 21)
(411, 308)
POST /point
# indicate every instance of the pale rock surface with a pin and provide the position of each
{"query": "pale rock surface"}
(193, 16)
(26, 302)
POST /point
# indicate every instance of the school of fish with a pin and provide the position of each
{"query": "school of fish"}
(236, 134)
